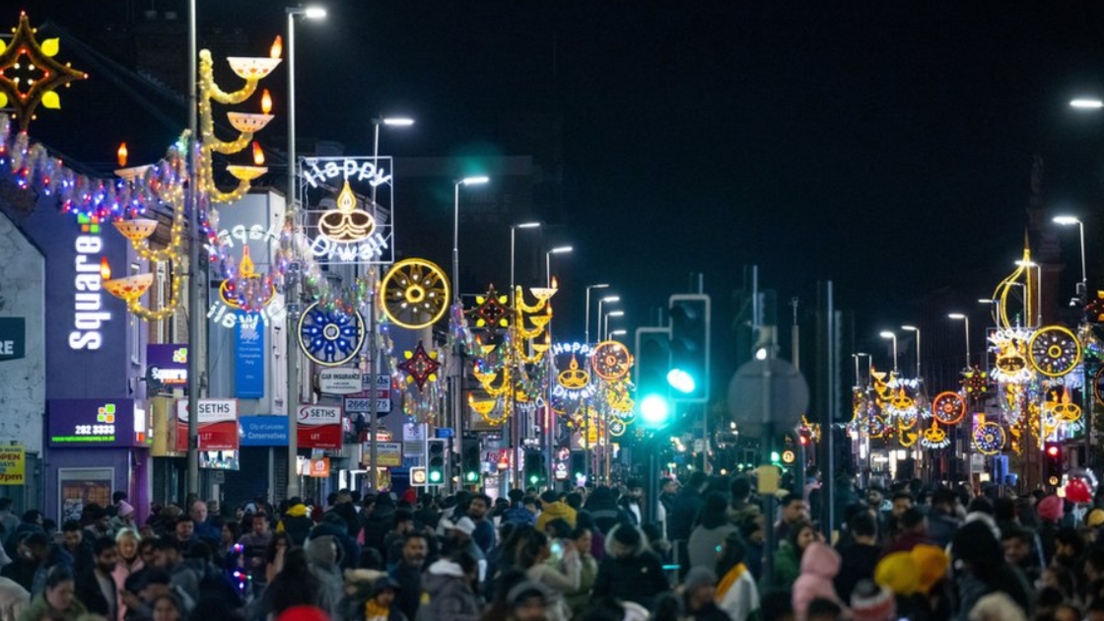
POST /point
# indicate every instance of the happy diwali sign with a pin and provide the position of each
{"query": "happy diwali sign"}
(344, 225)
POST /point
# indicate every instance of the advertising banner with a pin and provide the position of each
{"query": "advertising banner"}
(264, 431)
(94, 423)
(339, 381)
(319, 426)
(249, 361)
(218, 424)
(13, 465)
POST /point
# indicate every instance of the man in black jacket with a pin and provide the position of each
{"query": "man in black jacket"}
(408, 573)
(630, 571)
(687, 505)
(860, 555)
(95, 586)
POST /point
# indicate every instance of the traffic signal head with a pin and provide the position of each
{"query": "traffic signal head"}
(534, 468)
(652, 365)
(471, 461)
(435, 461)
(1053, 451)
(689, 347)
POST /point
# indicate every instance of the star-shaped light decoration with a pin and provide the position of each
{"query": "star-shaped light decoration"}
(1094, 310)
(419, 366)
(491, 311)
(976, 382)
(29, 75)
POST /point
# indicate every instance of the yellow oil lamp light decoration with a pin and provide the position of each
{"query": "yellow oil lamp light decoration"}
(128, 289)
(234, 294)
(133, 172)
(346, 224)
(249, 173)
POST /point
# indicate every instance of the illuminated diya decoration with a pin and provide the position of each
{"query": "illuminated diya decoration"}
(1062, 408)
(330, 337)
(902, 406)
(128, 289)
(249, 173)
(935, 437)
(137, 229)
(256, 68)
(573, 378)
(420, 367)
(1010, 365)
(976, 382)
(988, 438)
(29, 73)
(905, 437)
(490, 311)
(250, 122)
(611, 360)
(1055, 351)
(484, 409)
(948, 407)
(132, 172)
(345, 224)
(415, 293)
(545, 293)
(616, 427)
(249, 291)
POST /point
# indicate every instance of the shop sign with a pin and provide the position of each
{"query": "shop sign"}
(89, 315)
(79, 423)
(264, 430)
(217, 420)
(166, 367)
(388, 454)
(13, 465)
(339, 381)
(13, 338)
(319, 426)
(249, 362)
(320, 468)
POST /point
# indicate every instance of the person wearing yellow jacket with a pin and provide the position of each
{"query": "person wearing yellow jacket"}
(552, 508)
(296, 522)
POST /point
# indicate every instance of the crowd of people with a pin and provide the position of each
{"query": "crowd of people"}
(907, 551)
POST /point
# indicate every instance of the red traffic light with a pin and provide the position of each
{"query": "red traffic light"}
(1052, 451)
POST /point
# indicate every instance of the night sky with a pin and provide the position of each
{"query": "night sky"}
(886, 146)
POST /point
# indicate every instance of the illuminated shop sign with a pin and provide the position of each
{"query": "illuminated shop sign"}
(88, 300)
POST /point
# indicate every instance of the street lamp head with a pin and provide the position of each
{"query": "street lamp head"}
(611, 298)
(474, 180)
(527, 225)
(619, 333)
(1087, 103)
(1023, 263)
(616, 313)
(859, 354)
(888, 335)
(910, 328)
(958, 316)
(397, 121)
(1066, 220)
(986, 301)
(561, 250)
(601, 286)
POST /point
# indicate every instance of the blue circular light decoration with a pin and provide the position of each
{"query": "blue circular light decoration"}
(330, 338)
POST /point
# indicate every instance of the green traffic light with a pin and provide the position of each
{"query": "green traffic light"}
(775, 457)
(681, 381)
(435, 477)
(654, 409)
(473, 476)
(534, 479)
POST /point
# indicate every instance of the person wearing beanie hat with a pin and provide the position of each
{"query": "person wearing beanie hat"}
(984, 569)
(698, 600)
(898, 573)
(1095, 518)
(931, 565)
(870, 602)
(1051, 510)
(819, 566)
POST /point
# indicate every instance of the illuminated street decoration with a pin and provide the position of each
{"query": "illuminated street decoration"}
(491, 312)
(415, 293)
(1011, 365)
(420, 367)
(574, 382)
(611, 360)
(29, 74)
(1061, 408)
(1054, 351)
(976, 383)
(357, 228)
(935, 437)
(988, 438)
(948, 407)
(248, 285)
(330, 338)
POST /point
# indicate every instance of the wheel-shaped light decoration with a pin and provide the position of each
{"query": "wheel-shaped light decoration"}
(989, 438)
(948, 407)
(617, 427)
(611, 360)
(415, 293)
(328, 337)
(1054, 351)
(877, 427)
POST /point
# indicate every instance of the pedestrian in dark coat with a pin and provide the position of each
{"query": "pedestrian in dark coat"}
(630, 571)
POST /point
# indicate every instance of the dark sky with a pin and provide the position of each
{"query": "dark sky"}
(884, 145)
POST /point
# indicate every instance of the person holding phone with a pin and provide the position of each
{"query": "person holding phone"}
(553, 564)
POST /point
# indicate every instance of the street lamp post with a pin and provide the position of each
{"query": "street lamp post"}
(466, 181)
(965, 318)
(292, 292)
(917, 331)
(1083, 293)
(609, 299)
(515, 432)
(1069, 221)
(892, 336)
(586, 333)
(605, 322)
(548, 262)
(616, 333)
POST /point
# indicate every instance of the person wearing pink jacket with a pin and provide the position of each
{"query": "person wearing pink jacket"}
(819, 566)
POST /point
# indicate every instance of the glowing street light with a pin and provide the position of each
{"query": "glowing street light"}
(586, 334)
(1066, 220)
(1086, 103)
(966, 319)
(892, 336)
(917, 331)
(548, 262)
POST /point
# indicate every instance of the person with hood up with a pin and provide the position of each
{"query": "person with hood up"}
(381, 605)
(819, 566)
(518, 514)
(333, 525)
(697, 596)
(296, 523)
(737, 594)
(323, 558)
(447, 592)
(630, 571)
(603, 508)
(554, 509)
(1051, 510)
